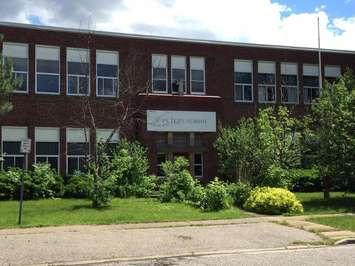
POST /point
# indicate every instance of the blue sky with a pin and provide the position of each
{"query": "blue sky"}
(279, 22)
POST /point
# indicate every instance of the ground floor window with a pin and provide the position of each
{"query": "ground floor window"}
(48, 152)
(77, 155)
(198, 165)
(161, 158)
(11, 144)
(267, 93)
(310, 93)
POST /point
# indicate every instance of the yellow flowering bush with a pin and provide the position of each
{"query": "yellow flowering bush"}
(269, 200)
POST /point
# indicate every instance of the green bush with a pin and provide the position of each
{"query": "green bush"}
(10, 183)
(268, 200)
(179, 184)
(197, 196)
(146, 186)
(78, 186)
(306, 180)
(276, 176)
(216, 196)
(239, 193)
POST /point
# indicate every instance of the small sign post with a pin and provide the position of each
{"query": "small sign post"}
(25, 149)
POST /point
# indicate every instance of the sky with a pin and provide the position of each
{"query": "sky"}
(278, 22)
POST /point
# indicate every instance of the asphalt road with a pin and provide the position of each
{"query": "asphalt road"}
(340, 255)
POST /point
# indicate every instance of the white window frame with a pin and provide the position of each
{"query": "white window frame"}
(297, 87)
(171, 73)
(45, 155)
(244, 84)
(111, 78)
(198, 164)
(25, 156)
(78, 76)
(46, 73)
(166, 74)
(266, 86)
(20, 72)
(309, 87)
(86, 131)
(204, 76)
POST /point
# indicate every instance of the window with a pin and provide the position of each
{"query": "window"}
(107, 73)
(289, 82)
(198, 165)
(332, 73)
(178, 74)
(17, 55)
(104, 135)
(47, 69)
(161, 158)
(266, 82)
(78, 78)
(159, 73)
(11, 143)
(243, 81)
(197, 75)
(310, 82)
(77, 149)
(47, 146)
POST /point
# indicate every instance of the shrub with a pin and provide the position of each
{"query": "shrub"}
(276, 176)
(273, 201)
(216, 196)
(78, 186)
(146, 186)
(10, 183)
(197, 196)
(239, 193)
(305, 180)
(179, 184)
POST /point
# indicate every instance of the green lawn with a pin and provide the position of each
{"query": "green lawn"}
(339, 222)
(313, 203)
(77, 211)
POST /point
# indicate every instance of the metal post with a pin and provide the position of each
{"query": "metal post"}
(319, 60)
(22, 190)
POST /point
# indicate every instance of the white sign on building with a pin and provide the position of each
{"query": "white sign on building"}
(181, 121)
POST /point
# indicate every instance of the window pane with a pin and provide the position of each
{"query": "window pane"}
(47, 83)
(270, 94)
(72, 85)
(198, 158)
(310, 81)
(47, 148)
(198, 170)
(159, 85)
(23, 78)
(83, 85)
(266, 78)
(290, 80)
(289, 94)
(100, 86)
(41, 159)
(197, 86)
(108, 86)
(248, 93)
(82, 164)
(11, 147)
(47, 66)
(8, 162)
(242, 77)
(76, 68)
(72, 165)
(239, 92)
(107, 70)
(159, 73)
(53, 162)
(19, 64)
(197, 75)
(78, 148)
(178, 74)
(19, 162)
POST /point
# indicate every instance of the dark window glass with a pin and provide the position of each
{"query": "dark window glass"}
(159, 73)
(198, 170)
(72, 85)
(83, 85)
(239, 92)
(196, 74)
(198, 158)
(178, 74)
(53, 162)
(23, 78)
(19, 64)
(11, 147)
(331, 79)
(244, 78)
(82, 164)
(289, 94)
(47, 148)
(73, 164)
(107, 70)
(266, 78)
(78, 148)
(310, 81)
(47, 66)
(47, 83)
(41, 159)
(161, 158)
(248, 93)
(76, 68)
(8, 162)
(159, 85)
(197, 86)
(290, 80)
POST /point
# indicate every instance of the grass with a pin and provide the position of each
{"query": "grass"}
(78, 211)
(340, 222)
(313, 203)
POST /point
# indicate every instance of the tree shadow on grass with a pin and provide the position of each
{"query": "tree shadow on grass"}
(88, 207)
(340, 204)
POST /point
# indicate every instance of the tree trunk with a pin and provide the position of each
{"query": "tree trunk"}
(326, 187)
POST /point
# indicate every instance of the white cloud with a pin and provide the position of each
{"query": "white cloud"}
(258, 21)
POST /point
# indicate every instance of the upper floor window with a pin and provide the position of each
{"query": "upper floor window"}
(11, 143)
(159, 73)
(178, 74)
(47, 146)
(310, 82)
(266, 82)
(197, 75)
(289, 82)
(17, 55)
(78, 78)
(107, 73)
(243, 80)
(47, 69)
(332, 73)
(78, 149)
